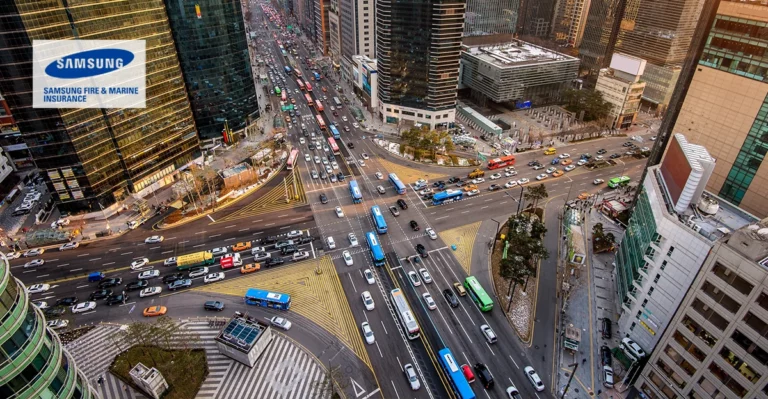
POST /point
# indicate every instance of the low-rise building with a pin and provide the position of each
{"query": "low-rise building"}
(244, 339)
(622, 88)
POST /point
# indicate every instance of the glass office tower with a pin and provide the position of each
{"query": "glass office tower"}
(600, 31)
(488, 17)
(213, 50)
(95, 157)
(33, 362)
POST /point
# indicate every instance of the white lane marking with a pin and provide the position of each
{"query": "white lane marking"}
(212, 220)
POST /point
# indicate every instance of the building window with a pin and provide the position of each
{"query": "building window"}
(756, 323)
(650, 291)
(710, 388)
(631, 327)
(663, 265)
(762, 300)
(727, 275)
(679, 360)
(639, 313)
(689, 346)
(660, 385)
(656, 279)
(671, 249)
(727, 380)
(710, 315)
(699, 331)
(750, 347)
(671, 374)
(420, 115)
(740, 365)
(645, 302)
(365, 14)
(720, 297)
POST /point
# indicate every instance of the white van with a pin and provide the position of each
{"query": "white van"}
(331, 243)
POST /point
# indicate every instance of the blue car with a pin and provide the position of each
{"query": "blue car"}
(556, 161)
(179, 284)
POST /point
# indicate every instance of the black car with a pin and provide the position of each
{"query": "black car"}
(172, 277)
(116, 299)
(351, 145)
(494, 187)
(601, 151)
(427, 197)
(305, 239)
(290, 249)
(100, 294)
(110, 282)
(421, 250)
(451, 298)
(136, 285)
(532, 163)
(402, 204)
(340, 176)
(481, 371)
(331, 158)
(311, 146)
(627, 144)
(274, 261)
(453, 180)
(323, 199)
(438, 183)
(615, 155)
(67, 301)
(605, 356)
(586, 156)
(605, 328)
(55, 312)
(269, 240)
(414, 225)
(214, 305)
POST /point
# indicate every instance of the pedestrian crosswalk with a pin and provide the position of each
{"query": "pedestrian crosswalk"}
(284, 370)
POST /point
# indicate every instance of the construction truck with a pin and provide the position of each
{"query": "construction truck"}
(476, 173)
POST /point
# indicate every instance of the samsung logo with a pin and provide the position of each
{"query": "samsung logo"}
(89, 63)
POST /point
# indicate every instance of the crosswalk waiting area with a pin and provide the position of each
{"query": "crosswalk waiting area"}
(284, 370)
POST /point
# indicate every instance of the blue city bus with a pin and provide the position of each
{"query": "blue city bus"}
(287, 69)
(334, 132)
(317, 76)
(377, 254)
(378, 220)
(354, 190)
(399, 186)
(267, 299)
(456, 378)
(447, 195)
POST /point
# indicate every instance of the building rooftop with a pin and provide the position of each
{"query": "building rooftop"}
(751, 241)
(514, 54)
(241, 333)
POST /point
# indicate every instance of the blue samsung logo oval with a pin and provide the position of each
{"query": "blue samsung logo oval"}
(89, 63)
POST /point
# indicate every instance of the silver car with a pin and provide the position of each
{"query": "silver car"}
(413, 379)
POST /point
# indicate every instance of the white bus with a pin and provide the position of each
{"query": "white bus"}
(404, 314)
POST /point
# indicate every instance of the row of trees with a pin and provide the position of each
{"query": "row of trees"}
(426, 142)
(602, 241)
(590, 102)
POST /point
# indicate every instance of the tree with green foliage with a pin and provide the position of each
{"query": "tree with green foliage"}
(533, 194)
(590, 102)
(424, 141)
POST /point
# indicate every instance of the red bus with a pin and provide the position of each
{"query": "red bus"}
(319, 106)
(292, 159)
(497, 163)
(301, 85)
(297, 72)
(283, 96)
(334, 147)
(309, 99)
(309, 86)
(320, 122)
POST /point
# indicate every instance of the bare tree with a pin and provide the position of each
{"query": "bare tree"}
(332, 382)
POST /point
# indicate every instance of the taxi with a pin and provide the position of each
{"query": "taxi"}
(469, 187)
(557, 173)
(325, 90)
(550, 151)
(583, 196)
(250, 268)
(566, 162)
(241, 246)
(153, 311)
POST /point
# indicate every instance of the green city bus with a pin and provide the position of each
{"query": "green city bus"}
(478, 294)
(618, 181)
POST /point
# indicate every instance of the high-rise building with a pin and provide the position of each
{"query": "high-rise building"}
(212, 46)
(604, 19)
(418, 49)
(569, 22)
(358, 33)
(622, 88)
(322, 31)
(715, 345)
(35, 363)
(661, 34)
(726, 105)
(536, 17)
(490, 17)
(95, 157)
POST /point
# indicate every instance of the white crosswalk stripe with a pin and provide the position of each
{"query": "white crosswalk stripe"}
(283, 371)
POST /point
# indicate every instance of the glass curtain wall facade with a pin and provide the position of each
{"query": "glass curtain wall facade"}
(418, 50)
(33, 362)
(600, 31)
(213, 51)
(95, 157)
(537, 17)
(489, 17)
(635, 246)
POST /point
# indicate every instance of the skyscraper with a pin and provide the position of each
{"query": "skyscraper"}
(726, 105)
(213, 50)
(322, 31)
(536, 17)
(569, 21)
(95, 157)
(488, 17)
(601, 28)
(358, 32)
(35, 363)
(418, 50)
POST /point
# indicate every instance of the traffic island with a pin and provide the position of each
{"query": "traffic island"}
(183, 370)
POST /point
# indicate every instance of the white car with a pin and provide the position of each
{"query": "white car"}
(564, 155)
(379, 176)
(551, 170)
(538, 385)
(210, 278)
(69, 245)
(413, 379)
(219, 251)
(154, 240)
(38, 288)
(63, 222)
(34, 252)
(369, 278)
(361, 162)
(570, 168)
(542, 176)
(326, 148)
(582, 162)
(301, 140)
(510, 173)
(297, 256)
(344, 118)
(364, 155)
(57, 324)
(83, 307)
(513, 393)
(139, 263)
(431, 233)
(352, 239)
(41, 304)
(307, 158)
(260, 256)
(367, 300)
(202, 271)
(510, 184)
(347, 258)
(599, 158)
(429, 301)
(598, 181)
(367, 333)
(478, 180)
(472, 193)
(170, 261)
(132, 224)
(294, 234)
(335, 165)
(325, 161)
(13, 255)
(339, 212)
(34, 263)
(425, 191)
(414, 278)
(356, 125)
(280, 322)
(149, 274)
(317, 159)
(425, 275)
(495, 176)
(522, 181)
(149, 291)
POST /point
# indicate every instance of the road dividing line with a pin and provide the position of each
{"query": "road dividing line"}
(229, 227)
(212, 220)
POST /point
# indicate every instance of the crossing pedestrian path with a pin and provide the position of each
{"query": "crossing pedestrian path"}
(463, 237)
(274, 200)
(284, 370)
(316, 293)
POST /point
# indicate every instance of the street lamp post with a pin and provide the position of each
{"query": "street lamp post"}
(568, 384)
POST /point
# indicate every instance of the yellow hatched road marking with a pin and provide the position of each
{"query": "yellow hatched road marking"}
(464, 239)
(407, 174)
(273, 201)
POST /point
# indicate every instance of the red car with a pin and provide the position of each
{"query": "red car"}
(468, 374)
